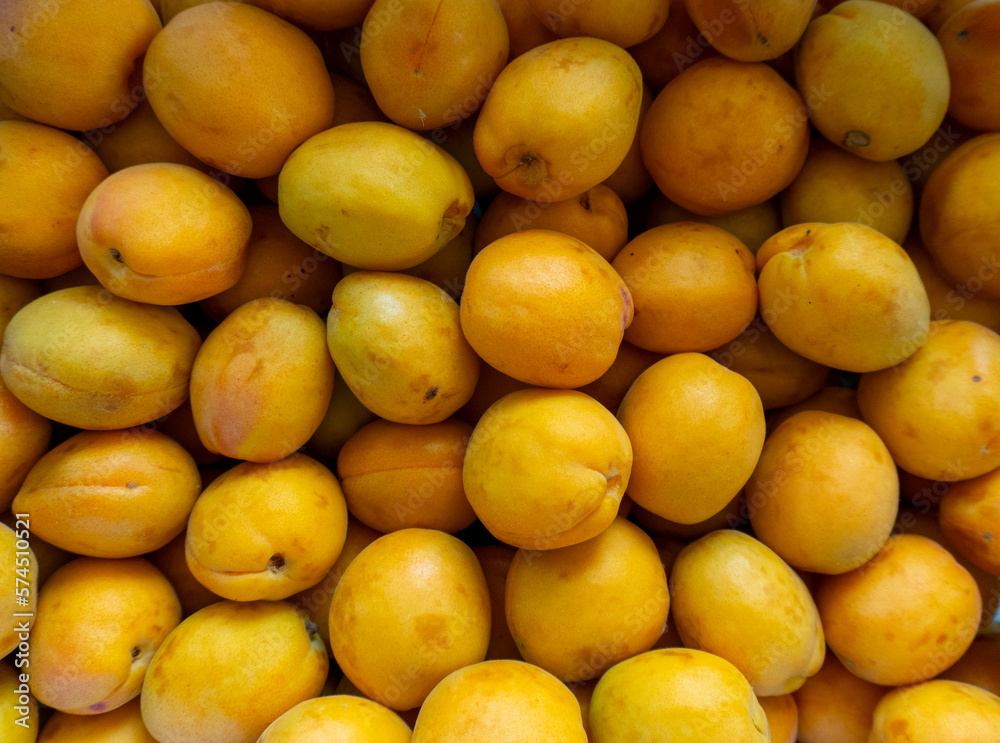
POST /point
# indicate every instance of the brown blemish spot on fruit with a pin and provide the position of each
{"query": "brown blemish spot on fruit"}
(276, 563)
(899, 727)
(585, 200)
(431, 393)
(963, 35)
(855, 138)
(131, 485)
(987, 536)
(977, 378)
(116, 255)
(432, 629)
(136, 652)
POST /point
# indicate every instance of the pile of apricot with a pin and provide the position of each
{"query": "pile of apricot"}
(378, 371)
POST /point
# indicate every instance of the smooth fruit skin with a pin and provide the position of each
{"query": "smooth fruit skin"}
(27, 435)
(843, 295)
(904, 616)
(249, 126)
(228, 671)
(782, 717)
(265, 358)
(546, 468)
(624, 24)
(937, 712)
(74, 65)
(163, 233)
(111, 493)
(959, 216)
(835, 706)
(545, 308)
(756, 145)
(900, 91)
(687, 696)
(560, 118)
(969, 40)
(345, 719)
(120, 725)
(576, 611)
(267, 531)
(84, 357)
(980, 666)
(429, 63)
(937, 411)
(397, 341)
(499, 701)
(410, 609)
(751, 33)
(970, 519)
(771, 629)
(18, 710)
(824, 494)
(12, 542)
(45, 178)
(99, 624)
(697, 430)
(374, 195)
(397, 475)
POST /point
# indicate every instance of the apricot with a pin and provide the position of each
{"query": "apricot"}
(839, 400)
(758, 614)
(447, 267)
(354, 103)
(87, 358)
(938, 711)
(163, 233)
(980, 666)
(697, 430)
(596, 217)
(731, 515)
(26, 436)
(560, 118)
(843, 295)
(955, 367)
(397, 340)
(969, 41)
(203, 684)
(316, 599)
(904, 616)
(99, 623)
(950, 300)
(780, 376)
(835, 706)
(495, 560)
(251, 125)
(172, 563)
(74, 65)
(970, 514)
(111, 493)
(343, 718)
(688, 695)
(782, 717)
(120, 725)
(838, 186)
(277, 265)
(546, 468)
(140, 138)
(610, 388)
(430, 63)
(524, 29)
(45, 177)
(374, 195)
(751, 33)
(671, 50)
(899, 88)
(20, 574)
(266, 356)
(410, 609)
(499, 701)
(755, 147)
(266, 531)
(397, 475)
(321, 15)
(824, 494)
(692, 286)
(752, 225)
(940, 12)
(959, 216)
(578, 610)
(545, 308)
(18, 708)
(15, 293)
(626, 24)
(344, 416)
